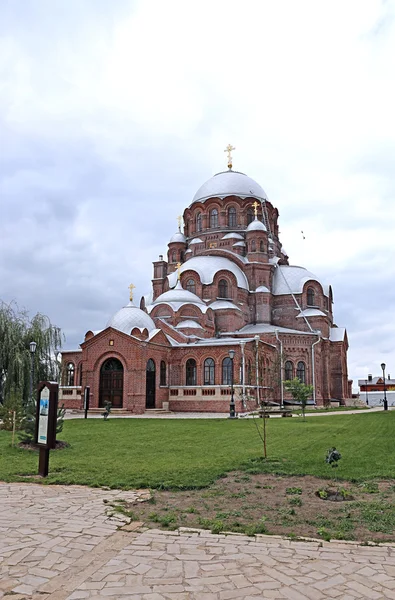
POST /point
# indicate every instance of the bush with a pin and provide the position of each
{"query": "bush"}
(12, 405)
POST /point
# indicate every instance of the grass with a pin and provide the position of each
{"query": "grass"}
(188, 454)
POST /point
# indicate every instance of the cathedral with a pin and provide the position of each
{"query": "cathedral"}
(227, 321)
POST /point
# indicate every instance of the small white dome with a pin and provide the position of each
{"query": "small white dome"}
(188, 324)
(230, 236)
(129, 317)
(178, 294)
(178, 237)
(256, 225)
(229, 183)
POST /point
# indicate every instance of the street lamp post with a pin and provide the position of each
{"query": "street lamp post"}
(232, 411)
(33, 347)
(385, 389)
(366, 391)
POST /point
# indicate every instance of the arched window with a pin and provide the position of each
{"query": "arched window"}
(190, 372)
(162, 378)
(250, 215)
(253, 246)
(173, 257)
(232, 217)
(199, 222)
(80, 377)
(209, 372)
(70, 374)
(223, 288)
(288, 370)
(262, 246)
(310, 297)
(191, 286)
(226, 371)
(301, 372)
(214, 218)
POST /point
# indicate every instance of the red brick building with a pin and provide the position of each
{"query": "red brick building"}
(226, 284)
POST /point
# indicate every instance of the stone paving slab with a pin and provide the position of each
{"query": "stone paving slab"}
(58, 543)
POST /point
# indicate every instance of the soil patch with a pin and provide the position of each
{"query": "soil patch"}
(263, 503)
(59, 446)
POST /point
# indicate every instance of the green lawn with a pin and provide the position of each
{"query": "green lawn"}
(183, 453)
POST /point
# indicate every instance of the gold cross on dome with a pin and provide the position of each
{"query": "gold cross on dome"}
(179, 219)
(229, 149)
(255, 205)
(131, 288)
(178, 271)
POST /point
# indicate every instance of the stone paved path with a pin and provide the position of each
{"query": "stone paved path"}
(57, 543)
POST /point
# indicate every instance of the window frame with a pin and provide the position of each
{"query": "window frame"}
(310, 296)
(190, 372)
(214, 218)
(191, 283)
(209, 371)
(301, 371)
(226, 371)
(232, 216)
(223, 286)
(288, 368)
(162, 373)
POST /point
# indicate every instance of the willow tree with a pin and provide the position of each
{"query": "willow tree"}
(17, 330)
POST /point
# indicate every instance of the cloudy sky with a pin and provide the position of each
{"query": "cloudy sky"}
(113, 113)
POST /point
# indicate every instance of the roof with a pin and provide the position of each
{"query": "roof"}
(262, 288)
(178, 294)
(256, 225)
(207, 267)
(229, 236)
(129, 317)
(291, 279)
(223, 305)
(337, 334)
(196, 241)
(311, 312)
(229, 183)
(268, 328)
(188, 323)
(178, 237)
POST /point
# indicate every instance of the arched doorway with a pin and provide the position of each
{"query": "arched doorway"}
(150, 385)
(111, 383)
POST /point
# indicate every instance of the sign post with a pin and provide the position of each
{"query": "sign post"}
(87, 393)
(46, 415)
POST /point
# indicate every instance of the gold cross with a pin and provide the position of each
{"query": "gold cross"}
(179, 219)
(229, 149)
(255, 205)
(131, 288)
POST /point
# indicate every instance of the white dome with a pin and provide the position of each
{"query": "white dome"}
(256, 226)
(207, 267)
(130, 317)
(178, 294)
(178, 237)
(229, 183)
(290, 280)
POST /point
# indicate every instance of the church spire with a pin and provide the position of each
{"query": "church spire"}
(229, 149)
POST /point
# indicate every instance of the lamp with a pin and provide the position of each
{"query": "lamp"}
(232, 411)
(32, 347)
(385, 389)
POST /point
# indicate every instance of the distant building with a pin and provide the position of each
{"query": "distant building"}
(226, 285)
(376, 384)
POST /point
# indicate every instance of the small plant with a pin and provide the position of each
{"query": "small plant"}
(324, 533)
(323, 494)
(260, 527)
(107, 410)
(11, 412)
(295, 501)
(294, 490)
(370, 487)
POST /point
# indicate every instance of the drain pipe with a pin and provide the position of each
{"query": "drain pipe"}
(281, 369)
(313, 363)
(243, 366)
(256, 337)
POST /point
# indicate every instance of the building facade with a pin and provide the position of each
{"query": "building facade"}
(226, 312)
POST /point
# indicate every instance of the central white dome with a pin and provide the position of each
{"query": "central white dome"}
(229, 183)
